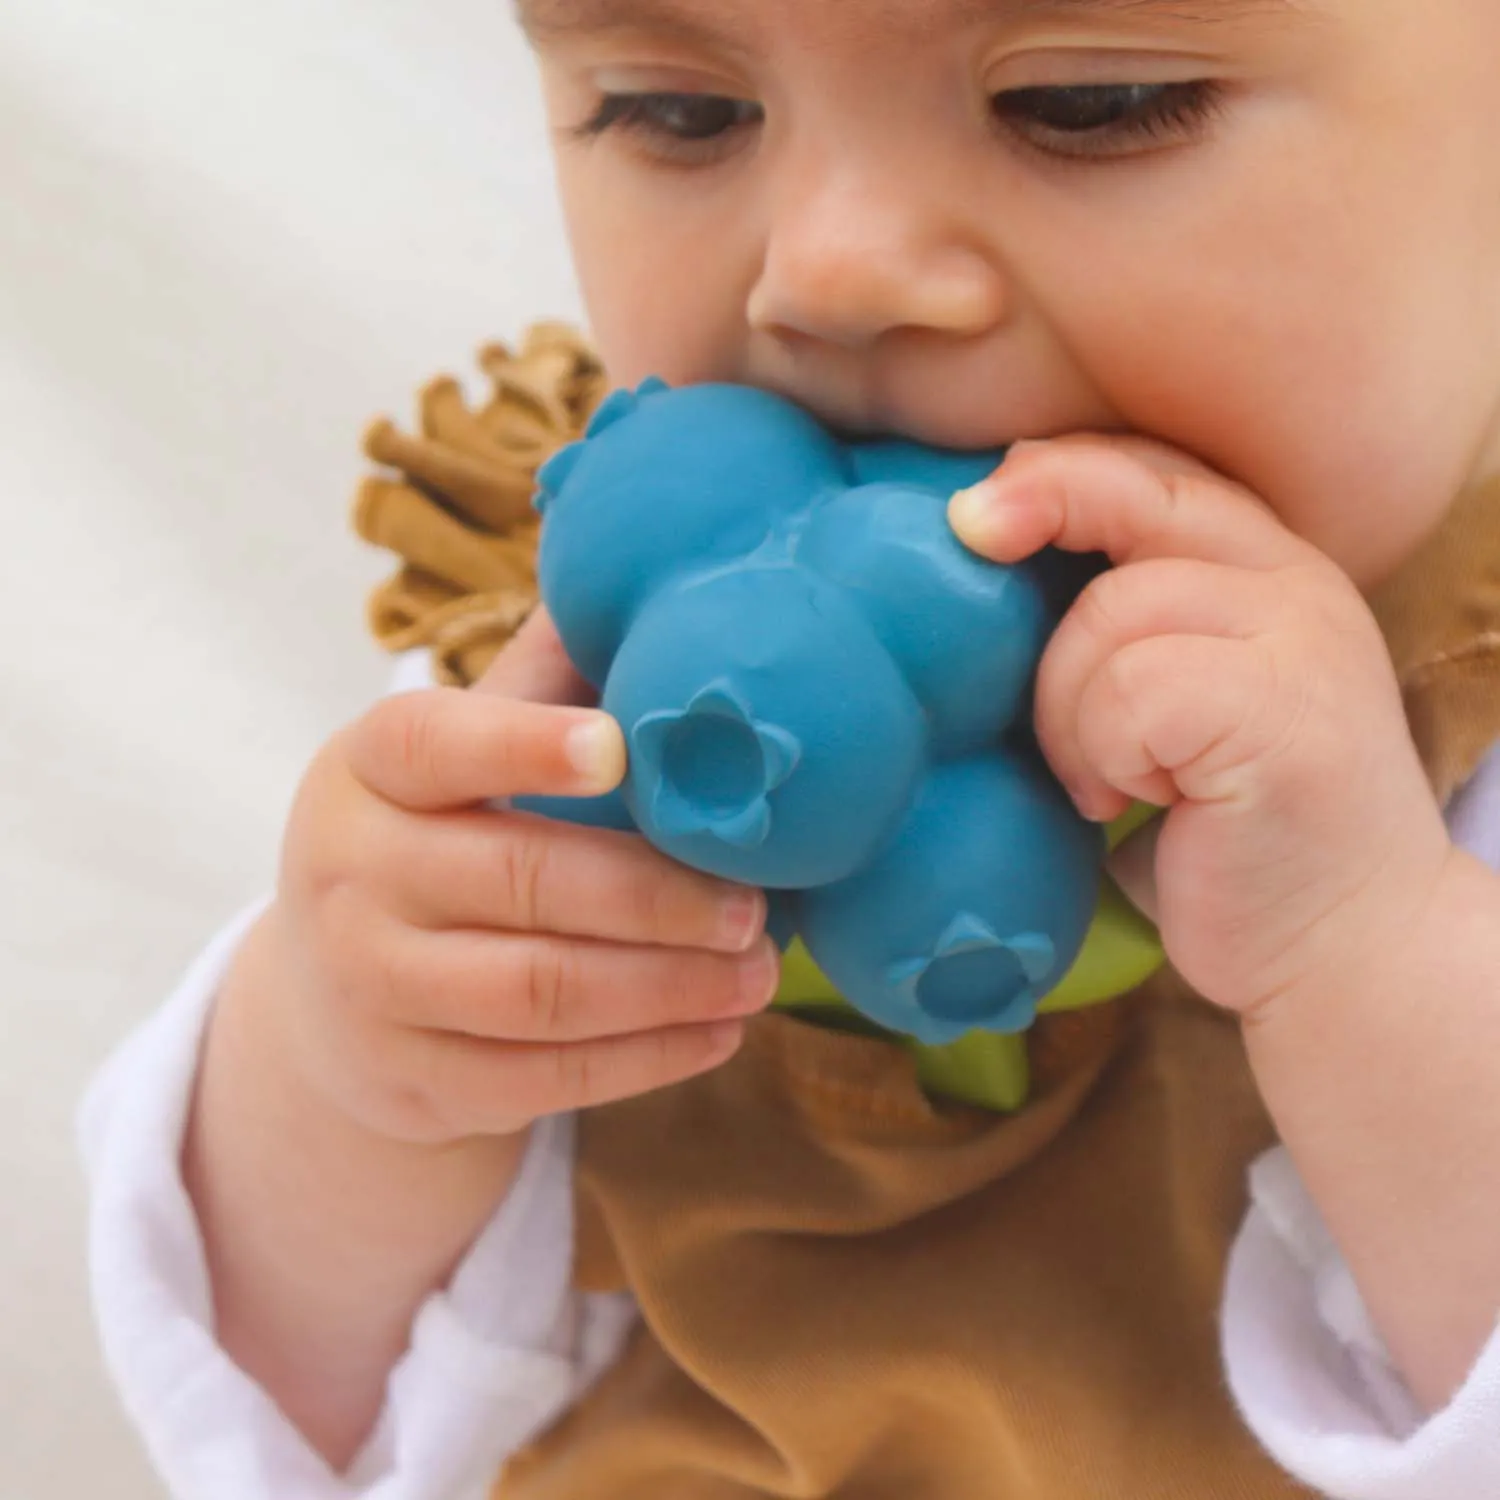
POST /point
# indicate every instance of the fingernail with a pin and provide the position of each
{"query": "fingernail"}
(970, 510)
(759, 975)
(1097, 804)
(596, 750)
(741, 918)
(724, 1038)
(1093, 808)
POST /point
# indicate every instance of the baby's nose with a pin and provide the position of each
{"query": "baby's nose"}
(848, 263)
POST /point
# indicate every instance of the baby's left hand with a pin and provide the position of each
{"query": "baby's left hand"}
(1228, 670)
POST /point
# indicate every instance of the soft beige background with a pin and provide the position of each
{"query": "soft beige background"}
(230, 232)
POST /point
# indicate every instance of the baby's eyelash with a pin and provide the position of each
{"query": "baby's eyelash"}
(1103, 120)
(688, 128)
(1081, 122)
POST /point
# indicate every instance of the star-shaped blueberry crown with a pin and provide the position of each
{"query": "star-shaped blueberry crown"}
(615, 407)
(934, 983)
(714, 766)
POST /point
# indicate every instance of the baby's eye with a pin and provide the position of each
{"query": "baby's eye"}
(1114, 119)
(679, 126)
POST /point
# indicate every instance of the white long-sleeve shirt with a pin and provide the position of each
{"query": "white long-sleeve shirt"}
(502, 1351)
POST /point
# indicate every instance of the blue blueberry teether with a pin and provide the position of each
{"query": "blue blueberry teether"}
(825, 694)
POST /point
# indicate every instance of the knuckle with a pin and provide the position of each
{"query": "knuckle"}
(379, 1075)
(412, 739)
(334, 762)
(384, 982)
(336, 930)
(412, 1112)
(368, 1028)
(678, 1053)
(577, 1075)
(1124, 673)
(1178, 490)
(548, 980)
(1287, 695)
(364, 744)
(503, 741)
(312, 844)
(424, 1094)
(656, 901)
(1100, 607)
(664, 1057)
(365, 968)
(333, 856)
(523, 870)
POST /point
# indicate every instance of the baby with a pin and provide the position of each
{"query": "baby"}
(493, 1165)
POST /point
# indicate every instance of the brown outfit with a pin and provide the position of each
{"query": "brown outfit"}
(848, 1290)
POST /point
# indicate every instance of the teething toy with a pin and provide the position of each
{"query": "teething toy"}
(825, 694)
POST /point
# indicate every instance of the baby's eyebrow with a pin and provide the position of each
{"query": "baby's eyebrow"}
(543, 18)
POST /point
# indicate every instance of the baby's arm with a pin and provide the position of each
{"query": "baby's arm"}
(434, 976)
(495, 1356)
(322, 1237)
(1302, 875)
(1383, 1087)
(1308, 1367)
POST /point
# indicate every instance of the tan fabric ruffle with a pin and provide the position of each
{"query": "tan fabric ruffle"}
(455, 506)
(1441, 619)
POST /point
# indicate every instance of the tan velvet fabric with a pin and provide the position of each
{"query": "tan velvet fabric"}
(457, 508)
(850, 1291)
(1441, 618)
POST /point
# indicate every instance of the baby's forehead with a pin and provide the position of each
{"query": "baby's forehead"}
(866, 18)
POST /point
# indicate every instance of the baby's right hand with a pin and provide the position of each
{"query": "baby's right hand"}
(457, 970)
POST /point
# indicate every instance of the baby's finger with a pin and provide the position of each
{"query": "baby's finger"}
(529, 874)
(534, 666)
(446, 748)
(545, 989)
(1183, 716)
(1163, 597)
(1095, 496)
(464, 1086)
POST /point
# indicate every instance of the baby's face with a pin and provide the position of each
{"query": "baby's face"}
(1264, 231)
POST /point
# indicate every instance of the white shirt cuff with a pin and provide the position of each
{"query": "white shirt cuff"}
(1312, 1377)
(493, 1360)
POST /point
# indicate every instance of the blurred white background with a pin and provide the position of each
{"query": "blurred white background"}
(230, 233)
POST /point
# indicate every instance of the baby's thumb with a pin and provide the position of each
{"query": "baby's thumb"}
(533, 666)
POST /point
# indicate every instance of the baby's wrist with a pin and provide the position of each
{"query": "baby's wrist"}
(291, 1191)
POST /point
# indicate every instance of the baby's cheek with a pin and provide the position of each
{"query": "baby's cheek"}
(642, 328)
